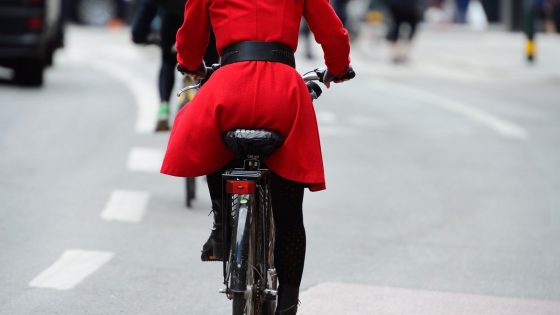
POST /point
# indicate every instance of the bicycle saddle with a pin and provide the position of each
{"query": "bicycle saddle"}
(244, 142)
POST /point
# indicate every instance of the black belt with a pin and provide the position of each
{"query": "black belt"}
(258, 51)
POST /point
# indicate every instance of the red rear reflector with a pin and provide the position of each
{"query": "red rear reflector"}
(240, 187)
(35, 23)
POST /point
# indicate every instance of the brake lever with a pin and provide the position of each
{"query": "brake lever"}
(190, 87)
(321, 72)
(209, 71)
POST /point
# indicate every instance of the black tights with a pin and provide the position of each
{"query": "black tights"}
(170, 23)
(287, 201)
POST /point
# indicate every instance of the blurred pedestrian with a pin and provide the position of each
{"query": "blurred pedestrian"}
(171, 16)
(556, 14)
(170, 13)
(121, 14)
(435, 13)
(461, 7)
(142, 23)
(436, 3)
(307, 40)
(340, 7)
(403, 12)
(551, 12)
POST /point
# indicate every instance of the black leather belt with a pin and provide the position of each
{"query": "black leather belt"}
(258, 51)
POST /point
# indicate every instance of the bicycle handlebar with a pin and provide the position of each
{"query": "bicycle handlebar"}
(319, 74)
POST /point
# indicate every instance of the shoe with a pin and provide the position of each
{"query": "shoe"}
(163, 118)
(212, 250)
(288, 300)
(162, 125)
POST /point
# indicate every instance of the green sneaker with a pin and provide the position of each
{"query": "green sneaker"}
(163, 118)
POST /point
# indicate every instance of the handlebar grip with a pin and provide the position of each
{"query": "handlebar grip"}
(324, 75)
(321, 73)
(350, 74)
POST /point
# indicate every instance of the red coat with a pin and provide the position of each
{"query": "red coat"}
(253, 94)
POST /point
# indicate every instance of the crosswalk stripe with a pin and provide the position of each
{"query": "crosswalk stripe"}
(70, 269)
(126, 206)
(355, 299)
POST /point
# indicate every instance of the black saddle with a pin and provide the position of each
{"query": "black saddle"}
(244, 142)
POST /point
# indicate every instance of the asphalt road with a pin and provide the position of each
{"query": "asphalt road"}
(443, 186)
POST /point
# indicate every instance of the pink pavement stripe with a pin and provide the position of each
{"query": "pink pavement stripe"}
(355, 299)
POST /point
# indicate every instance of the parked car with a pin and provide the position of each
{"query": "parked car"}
(30, 32)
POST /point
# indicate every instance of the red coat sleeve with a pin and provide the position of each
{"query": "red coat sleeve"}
(330, 33)
(192, 37)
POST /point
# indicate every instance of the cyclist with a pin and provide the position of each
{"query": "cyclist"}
(257, 87)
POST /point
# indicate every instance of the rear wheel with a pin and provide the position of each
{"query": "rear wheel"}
(251, 262)
(266, 239)
(238, 303)
(242, 280)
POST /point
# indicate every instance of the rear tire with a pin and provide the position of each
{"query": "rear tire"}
(29, 72)
(251, 261)
(238, 302)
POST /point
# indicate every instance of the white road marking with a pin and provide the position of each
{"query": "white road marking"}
(70, 269)
(501, 126)
(142, 87)
(354, 299)
(366, 121)
(324, 117)
(145, 160)
(144, 93)
(326, 131)
(126, 206)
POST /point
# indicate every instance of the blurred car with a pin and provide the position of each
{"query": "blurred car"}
(30, 32)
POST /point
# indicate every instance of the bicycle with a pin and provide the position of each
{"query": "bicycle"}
(250, 279)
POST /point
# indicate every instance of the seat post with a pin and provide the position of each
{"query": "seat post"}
(252, 163)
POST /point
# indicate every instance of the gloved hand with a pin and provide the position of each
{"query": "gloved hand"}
(329, 77)
(199, 74)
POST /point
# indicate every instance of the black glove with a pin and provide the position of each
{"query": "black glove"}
(329, 77)
(199, 74)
